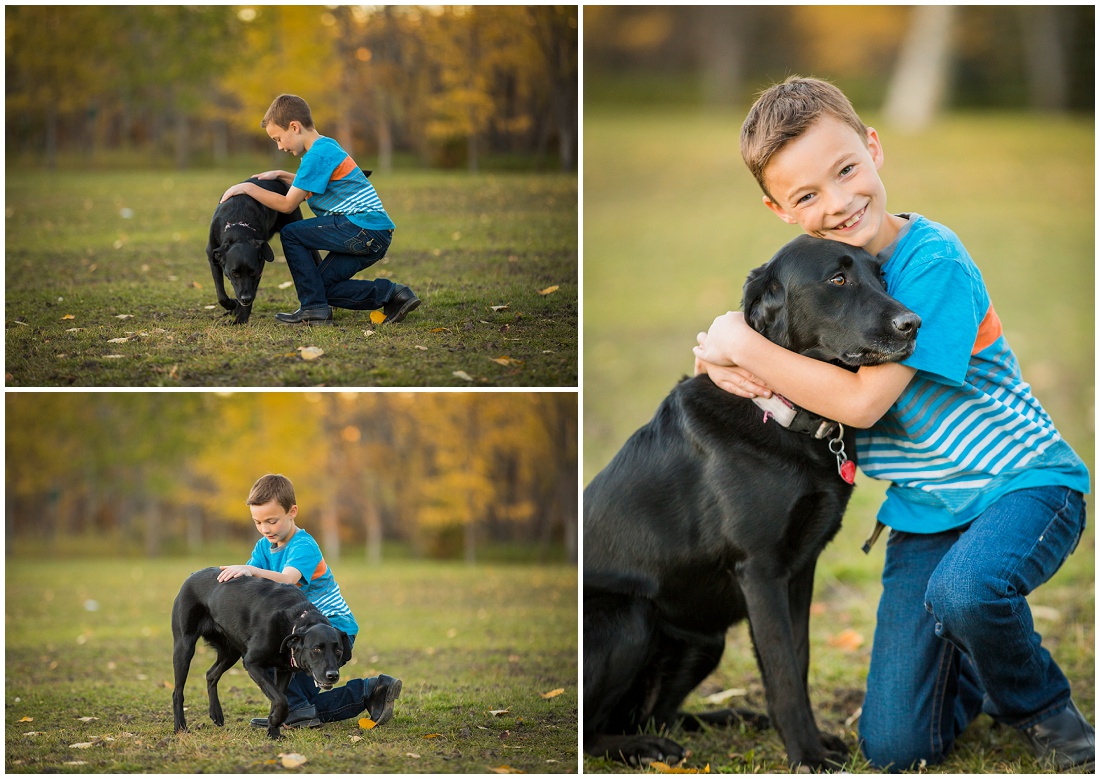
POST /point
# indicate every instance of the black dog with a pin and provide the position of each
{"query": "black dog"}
(264, 624)
(238, 246)
(708, 516)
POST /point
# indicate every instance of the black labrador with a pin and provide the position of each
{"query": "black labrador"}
(709, 515)
(238, 247)
(266, 625)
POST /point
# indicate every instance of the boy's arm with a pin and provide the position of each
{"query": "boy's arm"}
(289, 575)
(271, 175)
(284, 204)
(856, 399)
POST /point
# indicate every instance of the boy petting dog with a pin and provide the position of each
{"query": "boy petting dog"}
(985, 500)
(350, 222)
(288, 554)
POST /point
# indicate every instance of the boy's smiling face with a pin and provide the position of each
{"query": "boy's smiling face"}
(826, 182)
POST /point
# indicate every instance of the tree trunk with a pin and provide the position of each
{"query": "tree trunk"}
(1044, 51)
(918, 88)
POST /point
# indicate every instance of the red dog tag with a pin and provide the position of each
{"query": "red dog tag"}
(848, 471)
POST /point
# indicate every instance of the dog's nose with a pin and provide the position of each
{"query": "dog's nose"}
(907, 324)
(332, 676)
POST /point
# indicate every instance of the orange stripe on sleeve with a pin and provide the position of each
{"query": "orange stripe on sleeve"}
(988, 331)
(319, 571)
(343, 169)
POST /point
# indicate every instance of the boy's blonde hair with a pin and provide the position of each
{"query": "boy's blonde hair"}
(286, 109)
(273, 486)
(785, 111)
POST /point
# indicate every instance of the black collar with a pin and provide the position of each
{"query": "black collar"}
(792, 417)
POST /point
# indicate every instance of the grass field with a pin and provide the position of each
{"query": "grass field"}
(673, 223)
(89, 662)
(94, 257)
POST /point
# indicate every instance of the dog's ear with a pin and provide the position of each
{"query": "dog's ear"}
(764, 304)
(265, 249)
(291, 642)
(345, 643)
(219, 255)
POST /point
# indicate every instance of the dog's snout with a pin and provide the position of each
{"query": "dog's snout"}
(907, 323)
(332, 676)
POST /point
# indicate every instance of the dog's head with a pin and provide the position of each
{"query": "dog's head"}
(827, 300)
(319, 650)
(243, 261)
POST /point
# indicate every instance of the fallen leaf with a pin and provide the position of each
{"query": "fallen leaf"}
(368, 333)
(310, 352)
(293, 759)
(377, 317)
(421, 348)
(498, 308)
(286, 285)
(462, 375)
(69, 316)
(506, 769)
(552, 693)
(848, 640)
(499, 712)
(87, 719)
(209, 308)
(366, 723)
(725, 695)
(82, 745)
(27, 719)
(118, 340)
(196, 285)
(548, 290)
(434, 735)
(127, 316)
(74, 329)
(665, 768)
(34, 733)
(76, 762)
(506, 361)
(356, 739)
(413, 755)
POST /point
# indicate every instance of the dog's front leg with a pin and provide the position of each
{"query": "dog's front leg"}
(275, 690)
(765, 586)
(226, 302)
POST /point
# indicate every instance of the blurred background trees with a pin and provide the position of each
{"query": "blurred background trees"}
(439, 86)
(923, 58)
(438, 475)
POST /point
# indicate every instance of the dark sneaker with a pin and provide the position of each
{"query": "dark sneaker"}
(307, 316)
(299, 718)
(403, 301)
(1066, 740)
(380, 702)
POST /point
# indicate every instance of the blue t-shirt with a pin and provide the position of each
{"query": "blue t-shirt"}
(317, 583)
(338, 186)
(967, 429)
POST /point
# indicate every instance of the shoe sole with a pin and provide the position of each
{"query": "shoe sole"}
(392, 694)
(403, 311)
(308, 323)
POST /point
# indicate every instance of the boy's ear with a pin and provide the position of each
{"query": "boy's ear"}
(874, 147)
(777, 209)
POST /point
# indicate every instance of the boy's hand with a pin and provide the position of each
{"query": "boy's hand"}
(715, 356)
(236, 189)
(270, 175)
(234, 572)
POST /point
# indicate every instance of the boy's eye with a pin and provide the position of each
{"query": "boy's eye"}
(804, 198)
(846, 170)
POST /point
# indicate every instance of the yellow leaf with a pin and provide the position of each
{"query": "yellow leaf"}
(27, 719)
(505, 360)
(498, 308)
(377, 317)
(69, 316)
(499, 712)
(434, 735)
(506, 769)
(366, 723)
(292, 759)
(310, 352)
(552, 693)
(665, 768)
(548, 290)
(848, 640)
(462, 375)
(196, 285)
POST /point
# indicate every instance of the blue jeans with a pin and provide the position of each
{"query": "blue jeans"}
(351, 249)
(955, 635)
(339, 703)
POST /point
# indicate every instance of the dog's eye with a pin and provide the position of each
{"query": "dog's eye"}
(838, 280)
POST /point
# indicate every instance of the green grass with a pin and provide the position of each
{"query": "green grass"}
(465, 641)
(464, 243)
(673, 223)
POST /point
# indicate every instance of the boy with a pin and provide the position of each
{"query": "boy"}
(350, 222)
(986, 498)
(288, 554)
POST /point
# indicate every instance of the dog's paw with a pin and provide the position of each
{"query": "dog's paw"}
(650, 749)
(241, 314)
(229, 304)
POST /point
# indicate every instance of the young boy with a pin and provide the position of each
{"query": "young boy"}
(350, 222)
(986, 498)
(288, 554)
